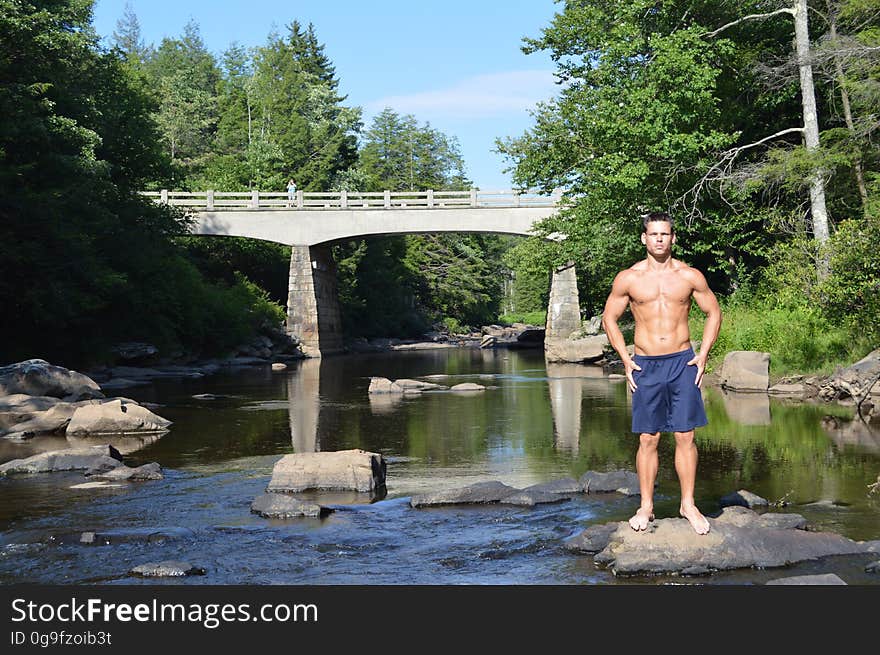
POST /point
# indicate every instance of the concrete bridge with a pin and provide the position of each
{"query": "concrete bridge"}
(311, 222)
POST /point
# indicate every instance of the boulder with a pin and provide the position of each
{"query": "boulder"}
(592, 540)
(151, 471)
(166, 569)
(279, 366)
(285, 506)
(467, 386)
(93, 459)
(567, 486)
(746, 370)
(115, 417)
(820, 579)
(743, 517)
(672, 546)
(873, 567)
(479, 493)
(530, 498)
(417, 385)
(593, 482)
(588, 349)
(37, 377)
(486, 493)
(384, 385)
(743, 498)
(356, 469)
(27, 416)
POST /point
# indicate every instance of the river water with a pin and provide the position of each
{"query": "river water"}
(535, 423)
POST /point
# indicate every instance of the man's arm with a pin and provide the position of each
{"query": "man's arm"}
(616, 304)
(706, 301)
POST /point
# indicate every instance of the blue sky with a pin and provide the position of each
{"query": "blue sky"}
(455, 64)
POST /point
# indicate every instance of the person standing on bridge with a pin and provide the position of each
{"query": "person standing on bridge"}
(291, 192)
(664, 373)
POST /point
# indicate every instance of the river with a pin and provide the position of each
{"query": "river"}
(535, 423)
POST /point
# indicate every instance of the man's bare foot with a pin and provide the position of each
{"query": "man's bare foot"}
(698, 522)
(641, 519)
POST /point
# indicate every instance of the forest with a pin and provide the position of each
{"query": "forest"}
(696, 108)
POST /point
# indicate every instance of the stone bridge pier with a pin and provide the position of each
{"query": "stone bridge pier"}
(314, 317)
(313, 314)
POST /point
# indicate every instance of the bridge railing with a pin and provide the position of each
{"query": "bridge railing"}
(237, 200)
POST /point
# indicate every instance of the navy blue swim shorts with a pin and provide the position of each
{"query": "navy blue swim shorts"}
(666, 400)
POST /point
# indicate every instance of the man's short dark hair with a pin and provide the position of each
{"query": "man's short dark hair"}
(657, 216)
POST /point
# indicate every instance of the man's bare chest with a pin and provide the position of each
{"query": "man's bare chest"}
(666, 289)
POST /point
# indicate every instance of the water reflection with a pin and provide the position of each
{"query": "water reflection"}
(856, 432)
(747, 408)
(304, 403)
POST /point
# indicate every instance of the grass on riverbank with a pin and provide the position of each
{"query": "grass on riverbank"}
(799, 340)
(529, 318)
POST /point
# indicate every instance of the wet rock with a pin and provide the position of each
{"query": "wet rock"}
(279, 366)
(481, 492)
(746, 370)
(166, 569)
(873, 567)
(96, 485)
(592, 540)
(821, 579)
(37, 377)
(671, 546)
(468, 386)
(417, 385)
(525, 498)
(383, 385)
(355, 469)
(151, 471)
(567, 486)
(743, 498)
(92, 459)
(210, 396)
(593, 482)
(111, 536)
(285, 506)
(115, 417)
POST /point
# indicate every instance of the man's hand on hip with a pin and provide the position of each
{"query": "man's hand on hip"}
(630, 366)
(700, 362)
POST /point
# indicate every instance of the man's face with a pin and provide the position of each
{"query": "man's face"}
(658, 238)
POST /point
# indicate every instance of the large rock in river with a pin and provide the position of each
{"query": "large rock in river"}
(356, 469)
(485, 493)
(739, 538)
(588, 349)
(37, 377)
(115, 417)
(95, 459)
(746, 370)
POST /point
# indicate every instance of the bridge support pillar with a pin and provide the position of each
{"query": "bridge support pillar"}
(563, 311)
(313, 314)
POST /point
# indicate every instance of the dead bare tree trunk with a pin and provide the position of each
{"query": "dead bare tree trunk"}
(818, 209)
(844, 97)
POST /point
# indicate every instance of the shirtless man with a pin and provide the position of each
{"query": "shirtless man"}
(664, 374)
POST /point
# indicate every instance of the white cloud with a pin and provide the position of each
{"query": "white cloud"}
(482, 96)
